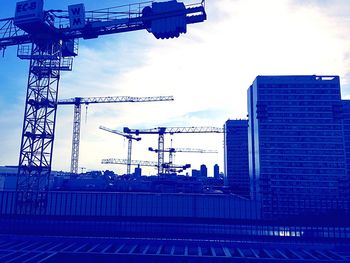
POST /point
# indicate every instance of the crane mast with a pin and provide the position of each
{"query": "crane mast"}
(48, 40)
(78, 101)
(130, 138)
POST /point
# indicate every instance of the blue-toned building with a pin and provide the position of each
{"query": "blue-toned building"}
(204, 171)
(236, 156)
(138, 172)
(196, 173)
(216, 171)
(346, 127)
(296, 142)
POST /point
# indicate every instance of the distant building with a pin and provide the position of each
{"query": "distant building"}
(236, 173)
(138, 172)
(196, 173)
(295, 137)
(216, 171)
(204, 171)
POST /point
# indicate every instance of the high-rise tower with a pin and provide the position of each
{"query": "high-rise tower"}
(296, 142)
(236, 156)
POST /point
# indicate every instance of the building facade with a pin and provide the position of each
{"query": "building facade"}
(236, 156)
(204, 171)
(346, 127)
(216, 171)
(295, 140)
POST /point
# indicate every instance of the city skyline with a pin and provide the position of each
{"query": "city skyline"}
(208, 71)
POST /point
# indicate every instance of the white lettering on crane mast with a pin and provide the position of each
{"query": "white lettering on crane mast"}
(76, 16)
(28, 11)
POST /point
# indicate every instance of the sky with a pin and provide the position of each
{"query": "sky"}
(208, 71)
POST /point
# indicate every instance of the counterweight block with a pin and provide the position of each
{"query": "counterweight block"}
(165, 19)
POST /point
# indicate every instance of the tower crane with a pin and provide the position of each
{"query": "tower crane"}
(125, 162)
(172, 151)
(143, 163)
(78, 101)
(170, 130)
(173, 168)
(130, 138)
(48, 39)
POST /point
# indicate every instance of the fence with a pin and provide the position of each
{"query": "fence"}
(173, 216)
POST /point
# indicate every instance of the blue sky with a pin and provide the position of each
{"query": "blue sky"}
(208, 71)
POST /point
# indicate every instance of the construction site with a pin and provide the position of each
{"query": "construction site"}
(277, 190)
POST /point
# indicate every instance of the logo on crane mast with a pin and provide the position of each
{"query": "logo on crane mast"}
(25, 7)
(26, 11)
(76, 16)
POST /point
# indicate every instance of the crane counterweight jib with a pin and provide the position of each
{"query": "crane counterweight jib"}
(166, 27)
(32, 24)
(173, 130)
(128, 136)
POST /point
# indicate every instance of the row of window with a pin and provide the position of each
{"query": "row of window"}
(315, 164)
(334, 98)
(294, 145)
(302, 177)
(303, 191)
(297, 115)
(298, 125)
(330, 157)
(291, 139)
(266, 178)
(303, 152)
(308, 133)
(298, 109)
(298, 91)
(296, 103)
(302, 171)
(309, 123)
(301, 85)
(304, 184)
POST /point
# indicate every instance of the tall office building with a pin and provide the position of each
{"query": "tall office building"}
(296, 142)
(236, 156)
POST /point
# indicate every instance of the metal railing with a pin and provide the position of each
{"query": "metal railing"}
(173, 215)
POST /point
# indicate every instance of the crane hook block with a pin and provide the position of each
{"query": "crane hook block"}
(165, 19)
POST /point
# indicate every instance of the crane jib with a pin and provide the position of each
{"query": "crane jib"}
(32, 24)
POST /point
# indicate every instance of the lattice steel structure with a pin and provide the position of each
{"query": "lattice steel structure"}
(169, 166)
(130, 139)
(52, 49)
(170, 130)
(125, 161)
(78, 101)
(39, 125)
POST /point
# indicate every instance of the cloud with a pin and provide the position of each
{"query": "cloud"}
(212, 66)
(208, 71)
